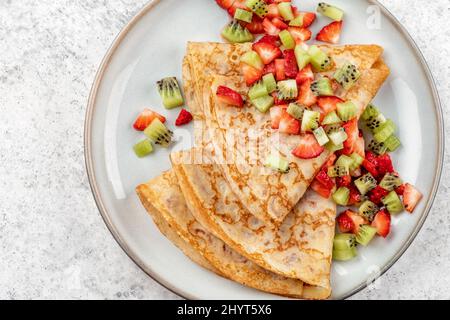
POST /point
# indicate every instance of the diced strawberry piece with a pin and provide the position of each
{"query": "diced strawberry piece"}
(277, 22)
(325, 179)
(280, 69)
(357, 219)
(344, 181)
(360, 146)
(267, 51)
(226, 4)
(384, 164)
(256, 26)
(351, 128)
(330, 33)
(183, 118)
(273, 40)
(308, 148)
(306, 97)
(270, 28)
(382, 222)
(300, 35)
(321, 189)
(289, 124)
(400, 190)
(370, 167)
(330, 161)
(276, 113)
(145, 118)
(345, 223)
(328, 104)
(371, 157)
(411, 197)
(377, 194)
(237, 4)
(251, 74)
(305, 74)
(355, 196)
(308, 18)
(229, 96)
(290, 64)
(269, 68)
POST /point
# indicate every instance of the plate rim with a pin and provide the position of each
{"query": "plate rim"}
(135, 258)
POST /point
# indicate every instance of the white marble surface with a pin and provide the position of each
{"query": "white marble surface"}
(53, 243)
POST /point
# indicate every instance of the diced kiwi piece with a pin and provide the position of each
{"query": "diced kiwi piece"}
(159, 133)
(393, 203)
(296, 110)
(263, 104)
(341, 196)
(377, 147)
(331, 118)
(357, 161)
(344, 241)
(319, 59)
(310, 120)
(287, 89)
(277, 163)
(392, 143)
(390, 181)
(330, 11)
(258, 90)
(366, 183)
(253, 59)
(337, 171)
(297, 21)
(330, 146)
(345, 255)
(386, 130)
(285, 10)
(337, 135)
(373, 123)
(347, 75)
(365, 234)
(368, 209)
(143, 148)
(345, 162)
(347, 110)
(286, 39)
(322, 87)
(243, 15)
(269, 82)
(302, 57)
(321, 136)
(259, 7)
(235, 33)
(370, 112)
(170, 92)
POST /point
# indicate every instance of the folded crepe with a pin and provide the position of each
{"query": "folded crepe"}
(243, 138)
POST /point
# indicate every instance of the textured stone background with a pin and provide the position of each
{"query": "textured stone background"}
(53, 243)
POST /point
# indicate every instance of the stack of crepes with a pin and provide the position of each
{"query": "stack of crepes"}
(220, 204)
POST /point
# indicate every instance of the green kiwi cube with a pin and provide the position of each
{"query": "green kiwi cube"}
(310, 120)
(252, 59)
(330, 146)
(368, 209)
(366, 183)
(319, 59)
(337, 171)
(158, 133)
(341, 196)
(234, 32)
(386, 130)
(374, 123)
(365, 234)
(259, 7)
(347, 110)
(390, 182)
(331, 118)
(377, 147)
(344, 241)
(243, 15)
(370, 112)
(258, 90)
(277, 163)
(357, 161)
(392, 143)
(263, 104)
(170, 93)
(322, 87)
(297, 21)
(302, 57)
(321, 136)
(296, 111)
(287, 89)
(330, 11)
(345, 255)
(345, 162)
(269, 82)
(393, 203)
(337, 136)
(286, 39)
(143, 148)
(347, 75)
(285, 10)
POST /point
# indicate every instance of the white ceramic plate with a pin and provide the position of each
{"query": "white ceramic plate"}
(151, 47)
